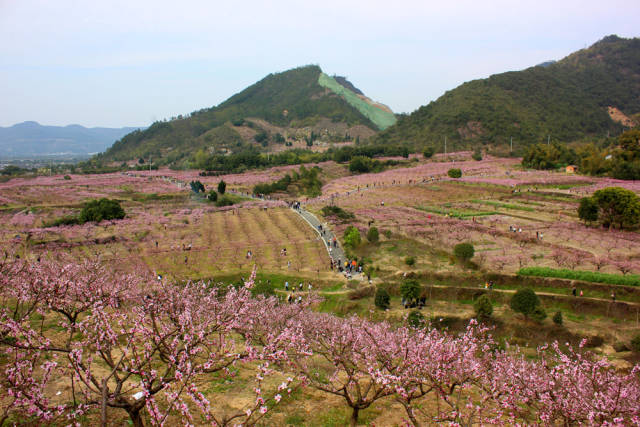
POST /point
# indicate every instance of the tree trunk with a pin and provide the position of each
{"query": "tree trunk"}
(354, 417)
(103, 408)
(412, 416)
(136, 418)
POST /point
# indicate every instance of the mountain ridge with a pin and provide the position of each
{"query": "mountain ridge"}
(294, 106)
(31, 139)
(567, 100)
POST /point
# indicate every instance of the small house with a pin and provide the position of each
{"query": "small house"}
(571, 169)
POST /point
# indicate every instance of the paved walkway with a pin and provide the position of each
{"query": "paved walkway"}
(336, 252)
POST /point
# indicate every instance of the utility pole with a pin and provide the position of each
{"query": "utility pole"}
(445, 145)
(149, 163)
(512, 144)
(548, 138)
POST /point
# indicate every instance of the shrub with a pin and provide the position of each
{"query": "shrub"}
(387, 234)
(416, 319)
(477, 155)
(587, 276)
(619, 346)
(428, 152)
(99, 210)
(222, 187)
(557, 318)
(524, 301)
(454, 173)
(67, 177)
(538, 314)
(464, 251)
(212, 196)
(224, 200)
(410, 260)
(594, 341)
(445, 322)
(360, 164)
(197, 186)
(372, 235)
(635, 343)
(362, 292)
(64, 220)
(410, 290)
(337, 212)
(483, 307)
(352, 237)
(382, 299)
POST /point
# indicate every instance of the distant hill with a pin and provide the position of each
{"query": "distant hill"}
(282, 109)
(587, 95)
(31, 139)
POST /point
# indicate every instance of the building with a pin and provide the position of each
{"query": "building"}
(571, 169)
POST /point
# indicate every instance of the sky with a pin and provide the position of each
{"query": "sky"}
(128, 63)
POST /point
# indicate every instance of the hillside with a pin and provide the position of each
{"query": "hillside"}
(281, 109)
(31, 139)
(569, 99)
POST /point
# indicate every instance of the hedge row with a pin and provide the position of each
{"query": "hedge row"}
(587, 276)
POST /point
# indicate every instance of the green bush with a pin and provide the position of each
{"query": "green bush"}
(67, 177)
(352, 237)
(525, 301)
(557, 318)
(416, 319)
(64, 220)
(635, 343)
(454, 173)
(99, 210)
(619, 346)
(212, 196)
(483, 307)
(372, 235)
(222, 187)
(337, 212)
(360, 164)
(410, 290)
(464, 251)
(382, 299)
(477, 155)
(587, 276)
(538, 314)
(428, 152)
(410, 261)
(197, 186)
(224, 200)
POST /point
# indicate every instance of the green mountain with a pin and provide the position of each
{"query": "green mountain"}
(291, 108)
(588, 95)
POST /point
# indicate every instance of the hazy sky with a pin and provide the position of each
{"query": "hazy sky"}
(127, 63)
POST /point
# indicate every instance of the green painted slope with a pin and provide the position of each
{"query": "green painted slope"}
(382, 119)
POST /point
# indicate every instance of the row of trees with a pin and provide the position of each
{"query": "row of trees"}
(150, 348)
(621, 162)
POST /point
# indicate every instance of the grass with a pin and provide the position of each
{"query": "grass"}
(587, 276)
(455, 213)
(504, 205)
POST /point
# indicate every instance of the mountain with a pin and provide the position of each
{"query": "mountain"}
(31, 139)
(588, 95)
(283, 109)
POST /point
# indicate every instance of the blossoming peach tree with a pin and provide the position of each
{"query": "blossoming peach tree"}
(114, 341)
